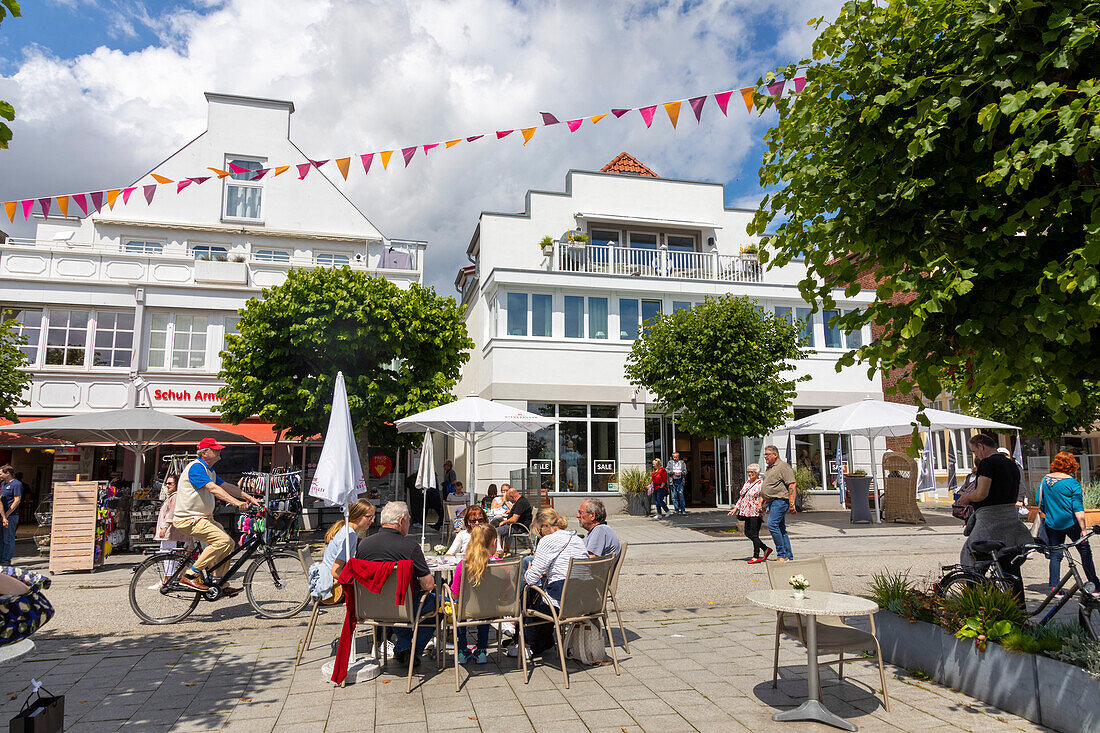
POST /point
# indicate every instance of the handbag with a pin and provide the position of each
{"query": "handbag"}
(43, 714)
(23, 606)
(585, 643)
(964, 511)
(650, 489)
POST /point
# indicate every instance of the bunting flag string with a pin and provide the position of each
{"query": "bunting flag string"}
(92, 201)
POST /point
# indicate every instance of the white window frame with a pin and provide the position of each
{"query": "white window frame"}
(193, 248)
(841, 334)
(96, 317)
(588, 317)
(157, 246)
(334, 256)
(619, 318)
(20, 330)
(510, 314)
(531, 315)
(51, 315)
(267, 254)
(167, 364)
(584, 317)
(230, 181)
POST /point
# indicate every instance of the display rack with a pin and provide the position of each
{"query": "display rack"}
(43, 514)
(144, 510)
(282, 492)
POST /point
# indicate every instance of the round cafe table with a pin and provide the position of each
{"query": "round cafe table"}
(816, 603)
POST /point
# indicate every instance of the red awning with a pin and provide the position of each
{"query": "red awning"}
(14, 440)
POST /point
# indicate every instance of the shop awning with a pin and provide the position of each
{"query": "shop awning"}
(9, 441)
(257, 430)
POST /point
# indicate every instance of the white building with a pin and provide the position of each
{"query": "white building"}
(130, 305)
(553, 331)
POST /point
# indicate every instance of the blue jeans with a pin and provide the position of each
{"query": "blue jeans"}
(482, 638)
(659, 496)
(7, 540)
(1058, 537)
(402, 638)
(777, 525)
(678, 495)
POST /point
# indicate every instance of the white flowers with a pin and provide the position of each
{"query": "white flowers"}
(440, 549)
(799, 582)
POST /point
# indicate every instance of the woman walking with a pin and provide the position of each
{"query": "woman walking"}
(1061, 499)
(749, 509)
(659, 479)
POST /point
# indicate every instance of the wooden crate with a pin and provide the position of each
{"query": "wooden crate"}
(72, 537)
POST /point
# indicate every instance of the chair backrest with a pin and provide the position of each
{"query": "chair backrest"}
(614, 587)
(496, 596)
(814, 570)
(382, 606)
(586, 584)
(900, 471)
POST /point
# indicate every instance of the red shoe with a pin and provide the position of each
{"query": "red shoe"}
(756, 560)
(767, 552)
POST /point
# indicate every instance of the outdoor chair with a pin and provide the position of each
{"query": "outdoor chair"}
(833, 635)
(520, 540)
(583, 598)
(450, 510)
(900, 500)
(614, 588)
(379, 611)
(497, 599)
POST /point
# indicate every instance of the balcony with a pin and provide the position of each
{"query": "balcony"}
(632, 261)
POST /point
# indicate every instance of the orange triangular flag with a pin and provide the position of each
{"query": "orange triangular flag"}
(528, 133)
(219, 171)
(162, 179)
(280, 170)
(63, 204)
(597, 118)
(385, 155)
(746, 94)
(9, 206)
(673, 110)
(451, 143)
(111, 196)
(342, 164)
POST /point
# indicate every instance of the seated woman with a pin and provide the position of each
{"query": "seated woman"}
(489, 498)
(548, 569)
(481, 549)
(473, 516)
(499, 508)
(323, 574)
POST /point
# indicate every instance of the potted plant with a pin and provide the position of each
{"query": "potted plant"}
(546, 244)
(577, 239)
(749, 252)
(856, 481)
(634, 488)
(804, 482)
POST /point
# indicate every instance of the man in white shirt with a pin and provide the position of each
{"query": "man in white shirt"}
(677, 476)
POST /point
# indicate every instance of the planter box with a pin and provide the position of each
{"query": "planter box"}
(215, 271)
(1092, 516)
(909, 644)
(637, 505)
(1067, 695)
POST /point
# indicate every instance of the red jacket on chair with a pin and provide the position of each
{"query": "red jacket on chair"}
(372, 575)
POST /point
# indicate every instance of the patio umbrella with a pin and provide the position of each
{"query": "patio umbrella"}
(471, 419)
(425, 479)
(877, 418)
(137, 429)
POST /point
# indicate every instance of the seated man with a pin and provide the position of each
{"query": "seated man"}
(392, 544)
(519, 514)
(601, 540)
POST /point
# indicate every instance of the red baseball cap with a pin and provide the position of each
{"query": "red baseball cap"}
(211, 444)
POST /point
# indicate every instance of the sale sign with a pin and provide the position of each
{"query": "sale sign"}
(380, 465)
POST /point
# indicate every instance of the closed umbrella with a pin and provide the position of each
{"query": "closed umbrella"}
(425, 479)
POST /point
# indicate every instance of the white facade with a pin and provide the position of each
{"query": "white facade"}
(553, 330)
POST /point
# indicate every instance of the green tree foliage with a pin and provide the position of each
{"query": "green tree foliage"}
(400, 352)
(1037, 407)
(719, 366)
(14, 381)
(952, 145)
(7, 112)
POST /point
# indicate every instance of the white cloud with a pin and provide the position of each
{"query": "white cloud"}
(370, 76)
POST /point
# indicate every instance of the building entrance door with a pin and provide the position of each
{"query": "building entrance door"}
(701, 486)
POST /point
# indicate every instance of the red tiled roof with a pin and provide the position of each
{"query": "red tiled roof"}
(627, 164)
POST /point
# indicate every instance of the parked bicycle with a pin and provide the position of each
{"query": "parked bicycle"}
(989, 570)
(276, 583)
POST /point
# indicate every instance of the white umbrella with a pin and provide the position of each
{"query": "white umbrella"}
(926, 477)
(425, 478)
(877, 418)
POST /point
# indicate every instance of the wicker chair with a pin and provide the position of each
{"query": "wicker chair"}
(900, 500)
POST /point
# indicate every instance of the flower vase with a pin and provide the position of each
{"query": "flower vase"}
(799, 594)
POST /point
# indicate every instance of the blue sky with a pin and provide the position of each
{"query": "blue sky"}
(105, 90)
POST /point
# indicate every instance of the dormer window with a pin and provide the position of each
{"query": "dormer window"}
(243, 191)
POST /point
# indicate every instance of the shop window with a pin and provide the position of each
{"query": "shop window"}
(140, 247)
(271, 255)
(574, 317)
(580, 453)
(330, 259)
(605, 453)
(806, 318)
(189, 342)
(517, 314)
(654, 444)
(114, 339)
(628, 319)
(28, 325)
(210, 252)
(542, 313)
(597, 318)
(832, 332)
(67, 337)
(650, 309)
(605, 411)
(243, 196)
(573, 455)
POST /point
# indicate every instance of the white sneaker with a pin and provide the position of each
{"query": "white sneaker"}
(388, 648)
(513, 651)
(508, 629)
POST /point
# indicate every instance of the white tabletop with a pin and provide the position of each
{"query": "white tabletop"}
(816, 603)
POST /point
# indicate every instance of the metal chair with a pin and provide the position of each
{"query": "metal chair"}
(379, 611)
(495, 600)
(520, 534)
(451, 509)
(833, 635)
(900, 496)
(614, 588)
(583, 598)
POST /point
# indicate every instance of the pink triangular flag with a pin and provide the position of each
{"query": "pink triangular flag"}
(475, 137)
(259, 174)
(723, 100)
(201, 180)
(318, 163)
(303, 169)
(574, 125)
(149, 191)
(82, 200)
(237, 169)
(367, 159)
(697, 106)
(619, 112)
(776, 89)
(28, 204)
(408, 154)
(97, 200)
(799, 84)
(180, 185)
(549, 119)
(504, 133)
(45, 204)
(429, 147)
(647, 114)
(126, 194)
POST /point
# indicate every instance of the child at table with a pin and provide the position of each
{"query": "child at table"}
(480, 551)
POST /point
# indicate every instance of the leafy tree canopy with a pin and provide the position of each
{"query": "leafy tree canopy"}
(14, 381)
(719, 366)
(7, 112)
(1038, 408)
(400, 352)
(952, 145)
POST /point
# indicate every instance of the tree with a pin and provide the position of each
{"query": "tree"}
(719, 366)
(951, 146)
(7, 112)
(400, 351)
(14, 381)
(1038, 410)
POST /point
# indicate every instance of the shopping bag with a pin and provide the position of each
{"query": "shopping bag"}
(585, 643)
(40, 713)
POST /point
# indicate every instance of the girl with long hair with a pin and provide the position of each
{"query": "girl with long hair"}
(337, 540)
(480, 551)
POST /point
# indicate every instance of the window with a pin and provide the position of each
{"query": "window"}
(209, 252)
(67, 337)
(680, 243)
(650, 309)
(581, 452)
(574, 317)
(28, 324)
(231, 325)
(114, 339)
(329, 259)
(139, 247)
(542, 311)
(806, 316)
(271, 255)
(854, 339)
(678, 305)
(189, 342)
(517, 314)
(628, 319)
(680, 252)
(605, 238)
(643, 241)
(158, 340)
(243, 195)
(784, 313)
(597, 318)
(832, 333)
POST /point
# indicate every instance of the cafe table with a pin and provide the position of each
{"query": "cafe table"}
(813, 604)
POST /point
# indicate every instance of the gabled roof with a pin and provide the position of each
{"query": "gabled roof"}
(627, 164)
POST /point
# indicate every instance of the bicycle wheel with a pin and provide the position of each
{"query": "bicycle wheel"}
(1088, 615)
(956, 580)
(147, 597)
(277, 585)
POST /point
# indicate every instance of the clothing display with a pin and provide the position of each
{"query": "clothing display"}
(281, 491)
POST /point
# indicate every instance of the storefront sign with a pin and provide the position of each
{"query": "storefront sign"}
(380, 465)
(185, 395)
(603, 467)
(542, 466)
(832, 467)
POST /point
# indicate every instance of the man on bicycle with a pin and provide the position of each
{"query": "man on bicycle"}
(198, 487)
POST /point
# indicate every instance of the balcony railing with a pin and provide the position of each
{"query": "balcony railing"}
(611, 260)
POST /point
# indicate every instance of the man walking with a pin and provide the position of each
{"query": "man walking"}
(11, 495)
(778, 489)
(677, 475)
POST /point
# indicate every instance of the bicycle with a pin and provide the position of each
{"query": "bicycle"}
(276, 583)
(990, 552)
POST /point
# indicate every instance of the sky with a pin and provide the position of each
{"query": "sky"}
(105, 90)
